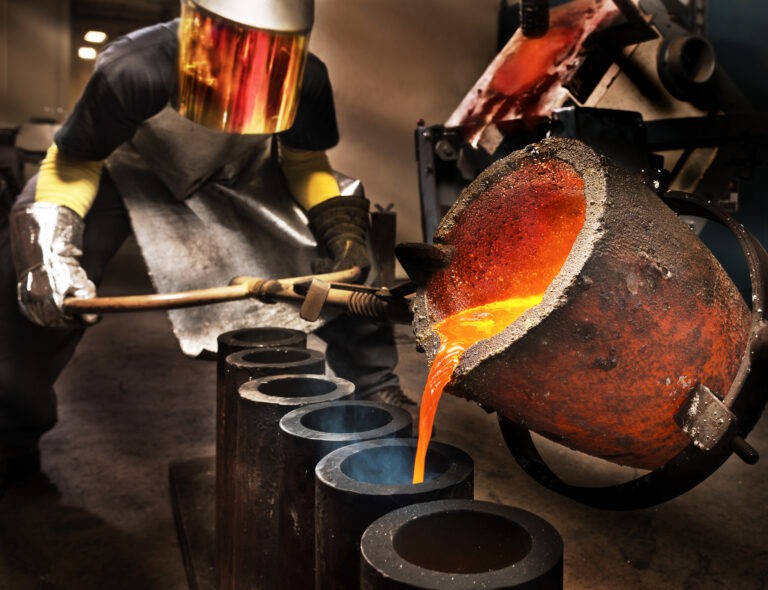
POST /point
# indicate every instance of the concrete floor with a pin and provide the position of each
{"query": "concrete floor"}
(100, 516)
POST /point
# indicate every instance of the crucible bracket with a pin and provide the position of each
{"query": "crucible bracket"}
(705, 418)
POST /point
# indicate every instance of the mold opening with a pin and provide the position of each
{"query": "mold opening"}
(392, 465)
(270, 356)
(296, 387)
(261, 335)
(346, 418)
(462, 542)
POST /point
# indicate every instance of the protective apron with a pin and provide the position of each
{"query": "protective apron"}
(207, 206)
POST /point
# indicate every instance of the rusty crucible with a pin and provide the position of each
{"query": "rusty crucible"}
(636, 312)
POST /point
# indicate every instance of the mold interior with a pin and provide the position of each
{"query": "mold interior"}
(511, 241)
(462, 542)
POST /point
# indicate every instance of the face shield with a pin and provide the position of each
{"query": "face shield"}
(241, 62)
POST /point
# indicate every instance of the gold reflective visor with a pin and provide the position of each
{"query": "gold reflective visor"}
(235, 78)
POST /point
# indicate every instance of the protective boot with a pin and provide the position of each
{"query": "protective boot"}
(395, 396)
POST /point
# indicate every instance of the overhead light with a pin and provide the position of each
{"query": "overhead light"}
(95, 36)
(86, 53)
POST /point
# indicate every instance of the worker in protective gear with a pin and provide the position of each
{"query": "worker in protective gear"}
(198, 106)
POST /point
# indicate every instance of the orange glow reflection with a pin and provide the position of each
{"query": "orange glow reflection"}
(238, 79)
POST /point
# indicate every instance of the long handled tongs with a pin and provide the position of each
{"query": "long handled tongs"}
(312, 292)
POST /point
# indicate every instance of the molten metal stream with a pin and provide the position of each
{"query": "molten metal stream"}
(457, 333)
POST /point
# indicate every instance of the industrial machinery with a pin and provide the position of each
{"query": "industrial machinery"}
(636, 82)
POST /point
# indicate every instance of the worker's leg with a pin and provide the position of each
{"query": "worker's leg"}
(361, 351)
(32, 357)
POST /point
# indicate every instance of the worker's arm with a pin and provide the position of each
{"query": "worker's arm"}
(340, 224)
(133, 80)
(309, 175)
(67, 182)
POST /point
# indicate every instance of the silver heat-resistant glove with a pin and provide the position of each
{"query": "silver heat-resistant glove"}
(47, 242)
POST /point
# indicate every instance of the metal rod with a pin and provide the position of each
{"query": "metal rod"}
(239, 288)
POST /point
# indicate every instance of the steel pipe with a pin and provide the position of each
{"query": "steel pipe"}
(358, 483)
(239, 367)
(306, 435)
(461, 545)
(261, 404)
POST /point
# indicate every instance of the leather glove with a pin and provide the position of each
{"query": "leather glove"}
(340, 226)
(47, 241)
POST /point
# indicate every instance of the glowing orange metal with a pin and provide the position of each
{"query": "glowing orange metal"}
(527, 78)
(457, 333)
(520, 260)
(639, 314)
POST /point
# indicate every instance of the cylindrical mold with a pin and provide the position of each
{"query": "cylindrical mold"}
(358, 483)
(461, 545)
(306, 435)
(633, 312)
(261, 404)
(228, 343)
(239, 367)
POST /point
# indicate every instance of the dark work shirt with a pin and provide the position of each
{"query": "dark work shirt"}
(136, 77)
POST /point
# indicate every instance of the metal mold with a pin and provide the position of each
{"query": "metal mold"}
(306, 435)
(636, 317)
(255, 508)
(236, 340)
(461, 545)
(239, 367)
(356, 484)
(229, 343)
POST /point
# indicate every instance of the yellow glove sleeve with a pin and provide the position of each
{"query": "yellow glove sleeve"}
(67, 182)
(309, 175)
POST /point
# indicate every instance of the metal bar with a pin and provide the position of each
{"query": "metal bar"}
(239, 288)
(425, 157)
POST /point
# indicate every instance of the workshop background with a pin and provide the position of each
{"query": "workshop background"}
(100, 516)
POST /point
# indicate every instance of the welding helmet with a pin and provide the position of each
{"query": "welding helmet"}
(241, 62)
